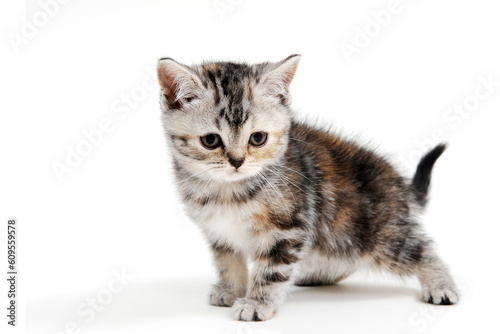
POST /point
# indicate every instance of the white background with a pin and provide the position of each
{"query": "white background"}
(117, 209)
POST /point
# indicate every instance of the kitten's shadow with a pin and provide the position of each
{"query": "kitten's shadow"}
(349, 291)
(178, 298)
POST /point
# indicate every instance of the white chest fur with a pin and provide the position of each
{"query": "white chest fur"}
(228, 224)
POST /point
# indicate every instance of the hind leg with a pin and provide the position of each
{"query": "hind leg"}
(408, 257)
(438, 286)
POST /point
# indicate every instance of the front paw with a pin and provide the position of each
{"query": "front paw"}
(220, 296)
(247, 309)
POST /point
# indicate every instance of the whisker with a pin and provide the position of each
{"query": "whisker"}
(278, 193)
(286, 185)
(266, 193)
(293, 170)
(303, 141)
(196, 175)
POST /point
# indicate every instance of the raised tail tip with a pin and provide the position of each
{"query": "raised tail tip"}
(422, 178)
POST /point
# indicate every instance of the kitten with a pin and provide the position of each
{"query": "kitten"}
(307, 207)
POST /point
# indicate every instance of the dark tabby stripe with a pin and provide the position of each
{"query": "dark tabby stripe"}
(281, 252)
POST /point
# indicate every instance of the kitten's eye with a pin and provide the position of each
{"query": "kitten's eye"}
(189, 98)
(211, 141)
(258, 139)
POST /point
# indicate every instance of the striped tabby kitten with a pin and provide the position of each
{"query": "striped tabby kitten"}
(307, 207)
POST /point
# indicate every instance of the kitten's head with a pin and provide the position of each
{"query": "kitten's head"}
(226, 121)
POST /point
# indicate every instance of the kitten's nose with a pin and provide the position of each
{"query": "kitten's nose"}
(236, 162)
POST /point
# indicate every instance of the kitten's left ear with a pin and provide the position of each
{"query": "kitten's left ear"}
(278, 79)
(178, 82)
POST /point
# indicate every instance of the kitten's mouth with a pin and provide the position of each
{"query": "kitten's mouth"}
(236, 174)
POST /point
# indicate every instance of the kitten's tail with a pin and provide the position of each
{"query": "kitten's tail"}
(422, 178)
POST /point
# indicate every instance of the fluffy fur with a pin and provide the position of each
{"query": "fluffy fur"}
(307, 207)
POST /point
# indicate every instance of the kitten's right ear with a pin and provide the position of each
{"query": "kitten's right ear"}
(178, 82)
